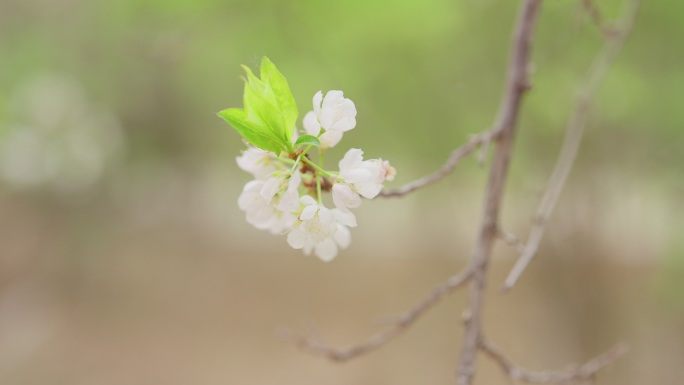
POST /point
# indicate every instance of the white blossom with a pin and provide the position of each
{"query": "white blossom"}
(344, 197)
(272, 200)
(260, 213)
(321, 229)
(260, 163)
(270, 204)
(334, 113)
(289, 199)
(359, 178)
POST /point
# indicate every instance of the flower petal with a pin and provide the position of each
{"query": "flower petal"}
(346, 218)
(330, 138)
(317, 99)
(327, 218)
(289, 200)
(351, 160)
(343, 236)
(344, 197)
(311, 125)
(332, 98)
(326, 250)
(307, 200)
(344, 124)
(297, 239)
(261, 217)
(368, 190)
(308, 212)
(283, 223)
(345, 118)
(358, 175)
(257, 162)
(271, 188)
(250, 194)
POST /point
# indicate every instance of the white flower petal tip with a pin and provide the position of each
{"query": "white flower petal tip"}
(311, 125)
(269, 204)
(334, 113)
(260, 163)
(344, 197)
(320, 230)
(366, 177)
(326, 251)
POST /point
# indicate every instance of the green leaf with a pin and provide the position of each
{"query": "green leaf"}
(270, 111)
(257, 135)
(262, 111)
(307, 140)
(283, 96)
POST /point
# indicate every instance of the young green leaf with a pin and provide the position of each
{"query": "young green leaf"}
(284, 100)
(252, 132)
(270, 112)
(307, 140)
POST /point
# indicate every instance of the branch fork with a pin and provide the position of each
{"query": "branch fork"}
(502, 134)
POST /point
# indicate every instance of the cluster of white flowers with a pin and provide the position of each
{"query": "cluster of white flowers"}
(285, 196)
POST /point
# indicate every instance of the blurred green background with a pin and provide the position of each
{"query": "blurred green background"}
(124, 257)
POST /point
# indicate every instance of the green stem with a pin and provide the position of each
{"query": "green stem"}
(286, 160)
(321, 156)
(300, 157)
(317, 167)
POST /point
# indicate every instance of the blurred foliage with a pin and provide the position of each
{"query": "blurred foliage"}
(165, 67)
(424, 76)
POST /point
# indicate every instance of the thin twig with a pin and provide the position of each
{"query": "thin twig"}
(502, 133)
(517, 84)
(577, 373)
(596, 18)
(445, 170)
(511, 239)
(401, 324)
(594, 14)
(573, 137)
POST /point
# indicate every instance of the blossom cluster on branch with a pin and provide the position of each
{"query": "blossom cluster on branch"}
(286, 195)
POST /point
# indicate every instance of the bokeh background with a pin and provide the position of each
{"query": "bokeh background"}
(124, 257)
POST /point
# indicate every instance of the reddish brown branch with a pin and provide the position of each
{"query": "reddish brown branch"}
(577, 373)
(596, 18)
(517, 84)
(400, 325)
(502, 133)
(571, 143)
(445, 170)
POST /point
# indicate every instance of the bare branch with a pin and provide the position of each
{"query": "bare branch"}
(517, 84)
(400, 325)
(596, 18)
(511, 239)
(485, 138)
(445, 170)
(573, 137)
(502, 134)
(577, 373)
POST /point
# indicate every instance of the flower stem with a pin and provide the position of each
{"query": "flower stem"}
(286, 160)
(301, 156)
(321, 156)
(317, 167)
